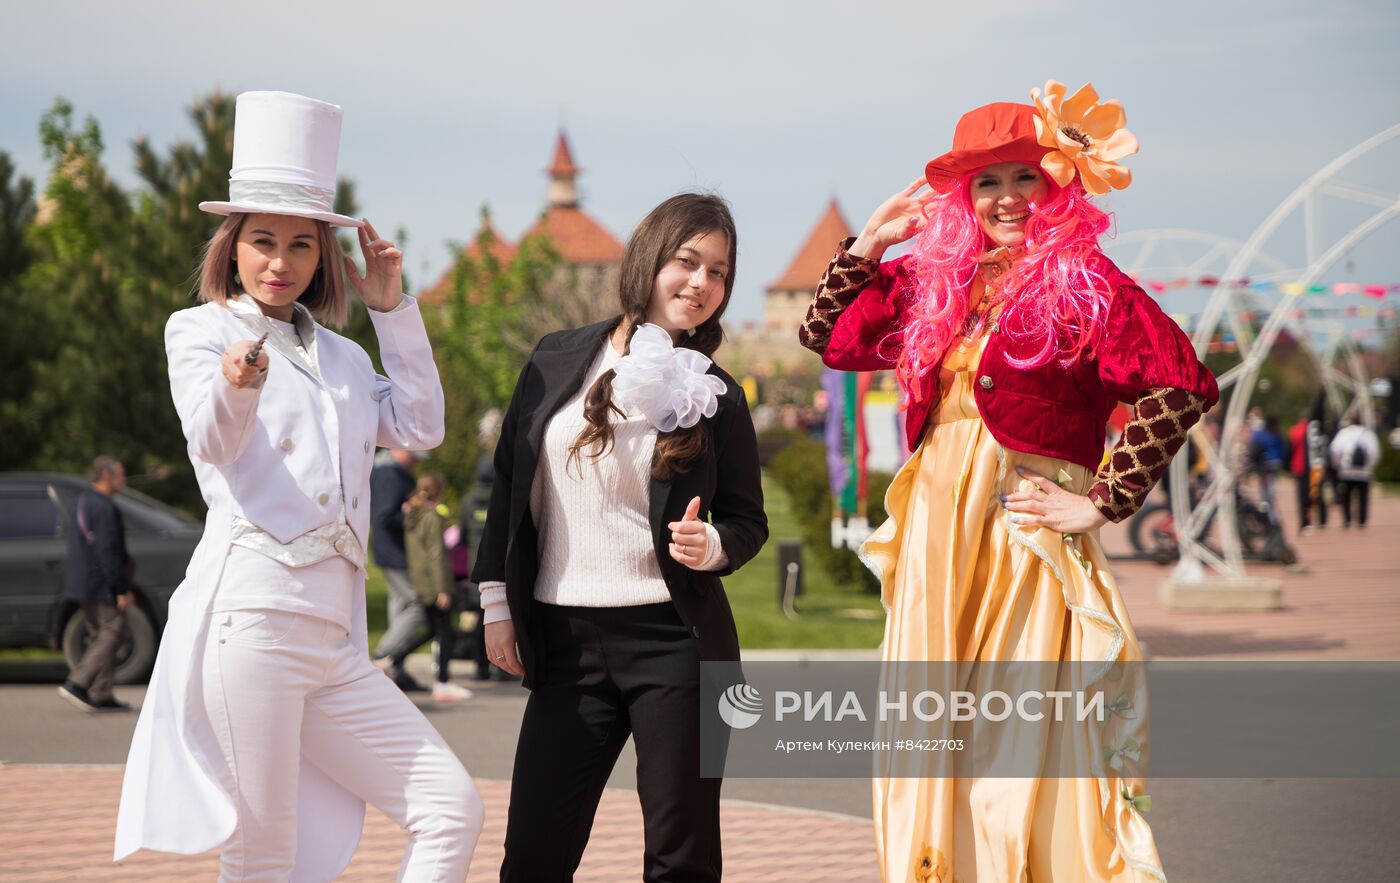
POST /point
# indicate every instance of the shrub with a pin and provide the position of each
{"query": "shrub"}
(772, 442)
(800, 469)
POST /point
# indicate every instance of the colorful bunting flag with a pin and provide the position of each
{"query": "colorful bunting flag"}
(1161, 286)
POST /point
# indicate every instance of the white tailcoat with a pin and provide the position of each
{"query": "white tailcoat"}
(278, 456)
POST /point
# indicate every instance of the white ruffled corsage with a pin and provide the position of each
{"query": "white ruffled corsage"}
(668, 384)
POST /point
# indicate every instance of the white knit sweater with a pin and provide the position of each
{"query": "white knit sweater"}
(594, 515)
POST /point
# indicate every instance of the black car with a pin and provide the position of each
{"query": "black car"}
(35, 510)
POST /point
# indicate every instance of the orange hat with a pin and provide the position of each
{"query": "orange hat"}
(1001, 132)
(1064, 135)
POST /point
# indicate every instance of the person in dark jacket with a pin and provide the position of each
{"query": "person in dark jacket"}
(627, 484)
(390, 484)
(1267, 455)
(97, 576)
(1310, 464)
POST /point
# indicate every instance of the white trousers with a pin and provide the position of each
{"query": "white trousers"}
(282, 686)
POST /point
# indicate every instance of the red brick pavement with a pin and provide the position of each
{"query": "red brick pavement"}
(64, 832)
(1342, 602)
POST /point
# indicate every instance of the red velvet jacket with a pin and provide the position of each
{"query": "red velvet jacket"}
(1051, 410)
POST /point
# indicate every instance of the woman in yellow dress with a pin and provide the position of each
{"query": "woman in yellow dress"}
(1013, 338)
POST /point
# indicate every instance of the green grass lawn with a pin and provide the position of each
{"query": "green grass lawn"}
(829, 615)
(32, 654)
(377, 601)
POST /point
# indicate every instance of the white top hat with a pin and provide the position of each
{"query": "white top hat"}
(285, 148)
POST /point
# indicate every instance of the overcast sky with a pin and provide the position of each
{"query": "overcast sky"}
(776, 105)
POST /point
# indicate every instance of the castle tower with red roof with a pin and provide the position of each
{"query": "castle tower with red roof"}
(581, 241)
(585, 287)
(760, 347)
(498, 247)
(785, 300)
(562, 172)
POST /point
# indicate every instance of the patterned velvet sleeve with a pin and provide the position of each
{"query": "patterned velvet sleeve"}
(1161, 419)
(844, 278)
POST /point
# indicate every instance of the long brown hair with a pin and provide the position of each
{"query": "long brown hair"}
(325, 297)
(656, 240)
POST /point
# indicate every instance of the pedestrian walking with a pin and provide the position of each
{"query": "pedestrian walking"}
(627, 483)
(1311, 465)
(1355, 451)
(1267, 454)
(97, 576)
(266, 728)
(390, 484)
(430, 572)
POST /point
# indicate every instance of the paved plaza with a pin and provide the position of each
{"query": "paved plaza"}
(60, 770)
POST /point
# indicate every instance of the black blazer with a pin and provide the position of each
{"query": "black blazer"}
(725, 478)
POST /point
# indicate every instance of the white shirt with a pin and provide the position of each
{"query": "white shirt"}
(594, 515)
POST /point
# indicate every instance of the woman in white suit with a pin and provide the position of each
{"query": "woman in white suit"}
(266, 727)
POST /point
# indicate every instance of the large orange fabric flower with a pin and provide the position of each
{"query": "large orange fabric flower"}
(1083, 135)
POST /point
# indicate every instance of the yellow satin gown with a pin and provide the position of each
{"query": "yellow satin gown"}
(960, 582)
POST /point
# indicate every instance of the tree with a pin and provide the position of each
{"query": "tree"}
(108, 268)
(16, 214)
(21, 326)
(482, 335)
(87, 347)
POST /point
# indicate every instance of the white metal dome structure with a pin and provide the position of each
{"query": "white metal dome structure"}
(1326, 239)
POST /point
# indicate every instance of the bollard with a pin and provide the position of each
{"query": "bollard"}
(789, 575)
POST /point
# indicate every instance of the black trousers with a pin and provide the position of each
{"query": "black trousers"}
(1354, 490)
(608, 673)
(1306, 499)
(440, 629)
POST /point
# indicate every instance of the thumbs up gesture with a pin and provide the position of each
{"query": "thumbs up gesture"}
(690, 542)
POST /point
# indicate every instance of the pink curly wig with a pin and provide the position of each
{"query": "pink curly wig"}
(1055, 300)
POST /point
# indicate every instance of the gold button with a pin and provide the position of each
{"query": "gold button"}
(323, 499)
(287, 444)
(340, 546)
(985, 382)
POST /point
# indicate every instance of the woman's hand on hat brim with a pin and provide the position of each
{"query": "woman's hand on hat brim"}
(381, 286)
(897, 220)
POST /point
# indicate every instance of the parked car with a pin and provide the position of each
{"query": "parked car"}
(35, 514)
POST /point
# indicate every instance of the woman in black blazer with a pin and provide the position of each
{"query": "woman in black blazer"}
(627, 483)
